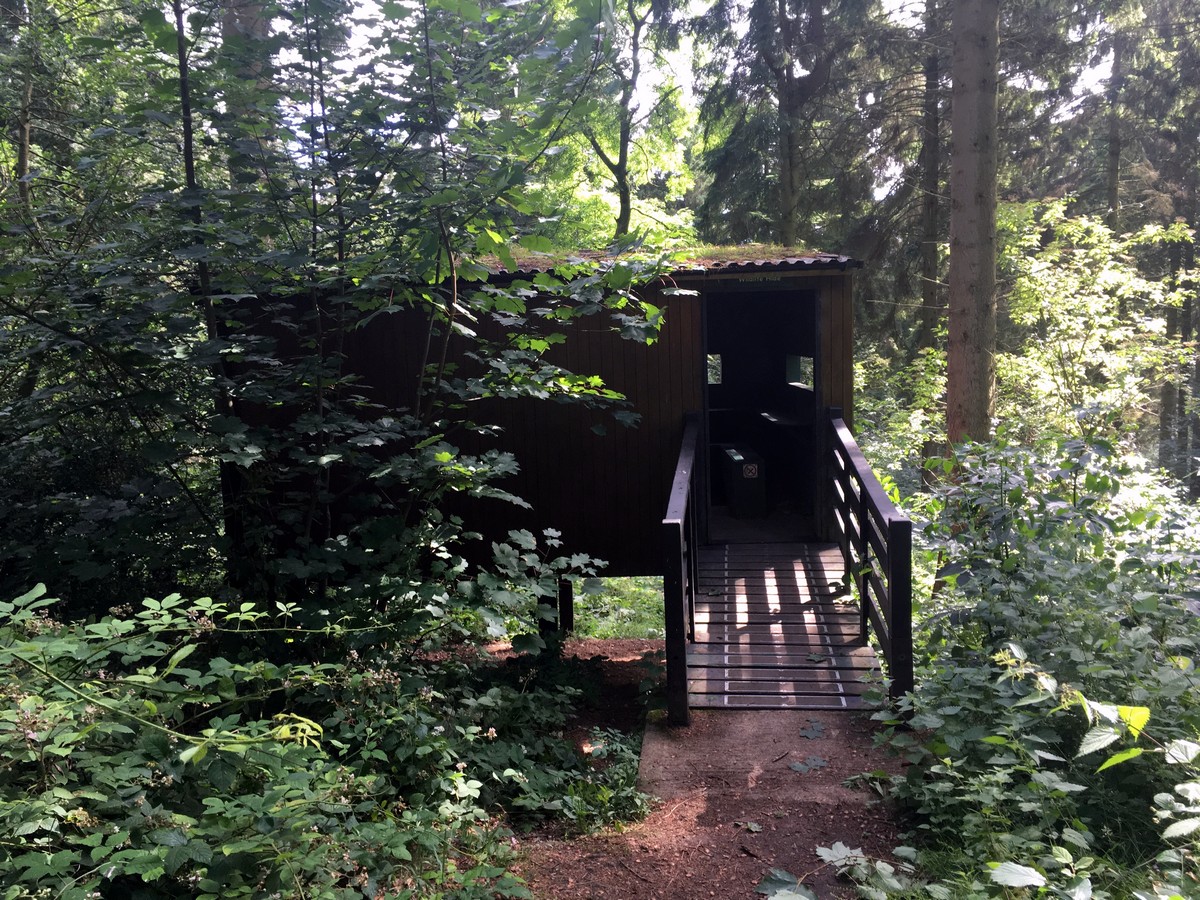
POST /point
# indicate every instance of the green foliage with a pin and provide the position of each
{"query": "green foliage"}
(177, 403)
(625, 161)
(620, 608)
(1060, 578)
(185, 269)
(1086, 319)
(140, 757)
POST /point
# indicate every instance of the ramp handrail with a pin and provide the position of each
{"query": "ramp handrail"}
(681, 544)
(876, 543)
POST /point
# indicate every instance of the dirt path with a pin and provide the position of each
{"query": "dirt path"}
(740, 792)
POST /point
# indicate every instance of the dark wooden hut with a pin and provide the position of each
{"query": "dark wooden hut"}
(741, 483)
(761, 351)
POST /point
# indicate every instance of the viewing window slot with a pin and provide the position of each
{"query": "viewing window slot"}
(799, 371)
(714, 368)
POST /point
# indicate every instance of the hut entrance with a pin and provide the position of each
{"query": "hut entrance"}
(761, 353)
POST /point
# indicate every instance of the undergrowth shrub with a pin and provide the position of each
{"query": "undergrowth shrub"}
(139, 760)
(1055, 583)
(620, 608)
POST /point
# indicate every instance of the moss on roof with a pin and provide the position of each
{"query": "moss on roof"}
(703, 256)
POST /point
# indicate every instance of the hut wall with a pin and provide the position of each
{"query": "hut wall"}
(602, 484)
(836, 329)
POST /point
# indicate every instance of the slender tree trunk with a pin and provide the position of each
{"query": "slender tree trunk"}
(1169, 401)
(1193, 418)
(624, 205)
(1112, 174)
(970, 373)
(932, 302)
(618, 163)
(793, 93)
(231, 481)
(25, 144)
(790, 170)
(1184, 464)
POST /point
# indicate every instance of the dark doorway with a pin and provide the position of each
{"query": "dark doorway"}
(762, 367)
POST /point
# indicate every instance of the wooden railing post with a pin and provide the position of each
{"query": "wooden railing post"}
(900, 591)
(862, 551)
(826, 498)
(693, 559)
(876, 542)
(674, 590)
(679, 574)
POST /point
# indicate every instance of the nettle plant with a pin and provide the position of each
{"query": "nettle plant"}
(141, 759)
(1055, 583)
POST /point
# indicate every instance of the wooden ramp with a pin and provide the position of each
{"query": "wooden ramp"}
(774, 631)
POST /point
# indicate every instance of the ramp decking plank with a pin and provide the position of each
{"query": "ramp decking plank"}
(773, 630)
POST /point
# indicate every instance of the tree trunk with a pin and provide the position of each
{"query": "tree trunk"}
(793, 93)
(232, 486)
(789, 172)
(25, 145)
(1184, 399)
(1193, 418)
(971, 345)
(624, 204)
(932, 303)
(1112, 175)
(1169, 403)
(1172, 423)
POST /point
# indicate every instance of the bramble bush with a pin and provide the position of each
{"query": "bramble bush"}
(1058, 581)
(151, 753)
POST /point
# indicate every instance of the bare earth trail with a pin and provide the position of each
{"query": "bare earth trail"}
(740, 792)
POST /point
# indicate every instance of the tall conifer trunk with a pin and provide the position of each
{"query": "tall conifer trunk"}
(932, 305)
(801, 34)
(1112, 175)
(972, 325)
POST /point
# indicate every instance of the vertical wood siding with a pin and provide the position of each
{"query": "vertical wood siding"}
(606, 493)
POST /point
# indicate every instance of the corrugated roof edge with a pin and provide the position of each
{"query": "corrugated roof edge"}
(808, 261)
(715, 266)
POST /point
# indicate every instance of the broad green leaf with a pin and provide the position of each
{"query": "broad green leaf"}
(782, 885)
(537, 244)
(1135, 717)
(1079, 888)
(1011, 874)
(840, 854)
(1180, 829)
(1181, 751)
(177, 657)
(1078, 838)
(1062, 855)
(32, 594)
(528, 643)
(1035, 697)
(1117, 758)
(1189, 791)
(1097, 739)
(194, 753)
(168, 837)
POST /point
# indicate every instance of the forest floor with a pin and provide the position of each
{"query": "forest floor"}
(738, 794)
